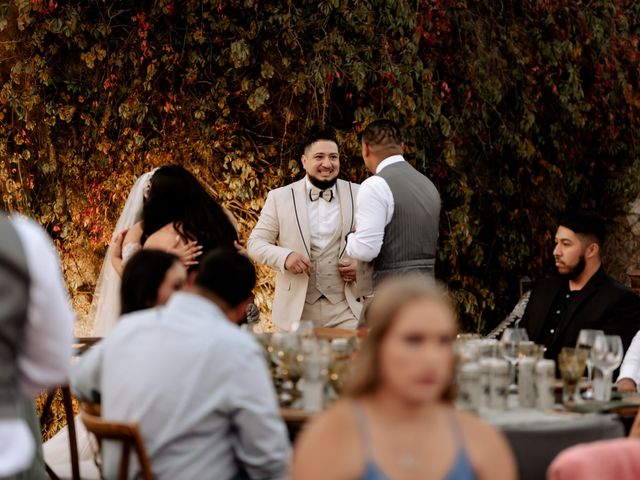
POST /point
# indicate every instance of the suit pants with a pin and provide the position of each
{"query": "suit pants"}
(323, 313)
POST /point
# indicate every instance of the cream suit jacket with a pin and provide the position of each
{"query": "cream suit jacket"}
(283, 227)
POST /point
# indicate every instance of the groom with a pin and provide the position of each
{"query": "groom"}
(301, 233)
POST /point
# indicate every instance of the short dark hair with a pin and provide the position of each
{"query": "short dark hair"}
(585, 223)
(228, 275)
(382, 132)
(317, 134)
(141, 279)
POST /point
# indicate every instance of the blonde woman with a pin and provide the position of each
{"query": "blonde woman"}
(397, 421)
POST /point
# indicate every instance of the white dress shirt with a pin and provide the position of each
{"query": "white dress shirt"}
(630, 367)
(324, 217)
(43, 358)
(374, 212)
(196, 385)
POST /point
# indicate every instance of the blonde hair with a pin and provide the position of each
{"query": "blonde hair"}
(391, 296)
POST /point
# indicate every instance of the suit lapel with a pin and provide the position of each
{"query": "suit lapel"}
(299, 194)
(347, 211)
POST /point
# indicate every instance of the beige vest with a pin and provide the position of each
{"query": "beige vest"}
(326, 279)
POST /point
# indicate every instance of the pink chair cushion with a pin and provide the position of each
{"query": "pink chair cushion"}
(617, 459)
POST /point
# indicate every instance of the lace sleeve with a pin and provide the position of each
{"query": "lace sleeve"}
(128, 250)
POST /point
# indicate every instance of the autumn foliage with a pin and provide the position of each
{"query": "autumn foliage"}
(514, 109)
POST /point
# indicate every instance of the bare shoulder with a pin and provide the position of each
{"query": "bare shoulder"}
(134, 234)
(488, 449)
(329, 447)
(163, 239)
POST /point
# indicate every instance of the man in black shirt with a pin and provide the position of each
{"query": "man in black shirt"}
(582, 295)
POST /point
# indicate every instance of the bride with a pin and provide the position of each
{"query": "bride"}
(167, 209)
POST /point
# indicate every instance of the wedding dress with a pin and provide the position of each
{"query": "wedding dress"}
(105, 310)
(105, 306)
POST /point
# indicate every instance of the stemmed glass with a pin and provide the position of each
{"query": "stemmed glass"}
(571, 363)
(586, 339)
(607, 353)
(509, 343)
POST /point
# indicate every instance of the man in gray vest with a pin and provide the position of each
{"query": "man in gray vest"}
(398, 209)
(36, 334)
(301, 233)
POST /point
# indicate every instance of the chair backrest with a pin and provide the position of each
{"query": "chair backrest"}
(332, 333)
(126, 433)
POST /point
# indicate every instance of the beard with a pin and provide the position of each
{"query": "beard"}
(575, 271)
(322, 184)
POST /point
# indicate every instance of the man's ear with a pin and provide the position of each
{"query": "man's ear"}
(239, 313)
(191, 278)
(593, 250)
(303, 159)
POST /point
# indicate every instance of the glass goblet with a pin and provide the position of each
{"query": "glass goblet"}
(571, 363)
(586, 339)
(509, 343)
(607, 352)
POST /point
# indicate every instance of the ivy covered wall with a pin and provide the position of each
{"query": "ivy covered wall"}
(514, 109)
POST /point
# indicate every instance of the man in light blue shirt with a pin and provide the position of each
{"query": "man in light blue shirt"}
(196, 385)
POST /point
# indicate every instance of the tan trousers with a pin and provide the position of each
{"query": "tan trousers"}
(323, 313)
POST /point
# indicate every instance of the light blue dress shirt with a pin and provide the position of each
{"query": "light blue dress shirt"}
(197, 386)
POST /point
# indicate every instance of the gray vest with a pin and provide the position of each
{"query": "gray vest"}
(411, 237)
(14, 299)
(325, 279)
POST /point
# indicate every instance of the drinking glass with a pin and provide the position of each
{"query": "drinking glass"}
(607, 353)
(586, 339)
(571, 363)
(509, 343)
(287, 354)
(340, 364)
(306, 329)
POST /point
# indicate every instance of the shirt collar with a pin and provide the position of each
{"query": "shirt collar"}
(389, 161)
(195, 305)
(311, 185)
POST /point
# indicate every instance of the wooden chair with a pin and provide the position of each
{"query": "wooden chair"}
(65, 392)
(126, 433)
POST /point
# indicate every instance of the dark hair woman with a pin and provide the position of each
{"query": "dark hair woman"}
(149, 278)
(177, 203)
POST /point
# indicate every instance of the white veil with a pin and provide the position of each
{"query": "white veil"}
(105, 306)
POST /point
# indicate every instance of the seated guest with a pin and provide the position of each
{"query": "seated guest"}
(396, 419)
(582, 295)
(150, 277)
(196, 385)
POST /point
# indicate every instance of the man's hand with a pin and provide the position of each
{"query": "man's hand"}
(296, 263)
(626, 385)
(347, 269)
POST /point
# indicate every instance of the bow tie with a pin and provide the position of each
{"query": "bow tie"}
(315, 194)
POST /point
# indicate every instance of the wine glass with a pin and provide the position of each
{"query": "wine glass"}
(305, 329)
(571, 363)
(607, 352)
(586, 339)
(509, 343)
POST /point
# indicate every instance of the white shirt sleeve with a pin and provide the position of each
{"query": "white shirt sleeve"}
(44, 359)
(373, 213)
(631, 364)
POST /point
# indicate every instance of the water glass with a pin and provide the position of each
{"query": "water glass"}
(509, 343)
(586, 339)
(571, 363)
(607, 353)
